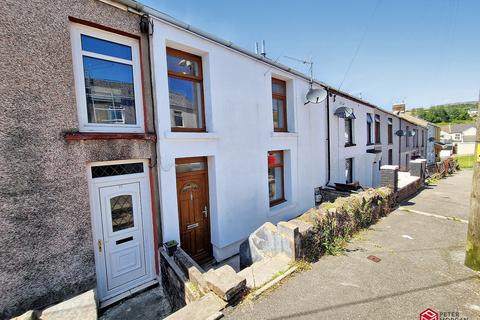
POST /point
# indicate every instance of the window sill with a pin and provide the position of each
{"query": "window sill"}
(191, 135)
(350, 145)
(78, 136)
(282, 207)
(276, 134)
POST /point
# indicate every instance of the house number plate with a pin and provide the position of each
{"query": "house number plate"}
(192, 226)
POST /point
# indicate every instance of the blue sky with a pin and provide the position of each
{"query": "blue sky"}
(424, 52)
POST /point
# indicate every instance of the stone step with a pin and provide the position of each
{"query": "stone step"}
(264, 270)
(225, 282)
(207, 307)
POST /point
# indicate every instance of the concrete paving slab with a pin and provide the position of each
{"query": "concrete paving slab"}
(207, 307)
(423, 270)
(263, 271)
(150, 304)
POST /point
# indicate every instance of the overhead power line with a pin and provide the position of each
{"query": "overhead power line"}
(369, 22)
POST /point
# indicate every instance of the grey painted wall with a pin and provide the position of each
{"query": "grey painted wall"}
(46, 248)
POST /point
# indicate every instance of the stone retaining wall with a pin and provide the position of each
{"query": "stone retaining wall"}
(179, 290)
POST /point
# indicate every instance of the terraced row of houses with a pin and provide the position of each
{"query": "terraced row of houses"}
(123, 128)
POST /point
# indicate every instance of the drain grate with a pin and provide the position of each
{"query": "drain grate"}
(374, 258)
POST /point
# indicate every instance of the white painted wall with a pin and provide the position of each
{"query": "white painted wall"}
(366, 170)
(411, 149)
(239, 122)
(431, 144)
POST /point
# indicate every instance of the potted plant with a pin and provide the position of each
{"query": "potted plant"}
(171, 247)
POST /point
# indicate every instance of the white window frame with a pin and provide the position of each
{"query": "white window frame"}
(76, 30)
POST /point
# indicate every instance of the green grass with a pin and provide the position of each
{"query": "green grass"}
(466, 161)
(455, 122)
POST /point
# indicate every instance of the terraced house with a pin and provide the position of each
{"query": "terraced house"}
(125, 129)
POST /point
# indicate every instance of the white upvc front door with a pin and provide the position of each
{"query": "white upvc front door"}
(122, 225)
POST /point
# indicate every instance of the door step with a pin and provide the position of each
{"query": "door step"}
(127, 294)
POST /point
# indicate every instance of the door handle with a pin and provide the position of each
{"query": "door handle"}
(99, 243)
(205, 212)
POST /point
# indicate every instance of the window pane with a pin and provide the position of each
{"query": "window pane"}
(278, 113)
(377, 118)
(110, 91)
(348, 131)
(279, 88)
(182, 65)
(185, 97)
(189, 167)
(348, 170)
(106, 47)
(275, 183)
(122, 212)
(275, 158)
(369, 118)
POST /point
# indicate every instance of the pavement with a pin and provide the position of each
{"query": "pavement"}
(421, 266)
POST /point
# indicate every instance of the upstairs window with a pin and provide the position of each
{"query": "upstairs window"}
(390, 156)
(377, 128)
(108, 80)
(423, 138)
(279, 104)
(348, 132)
(415, 137)
(390, 130)
(185, 86)
(369, 128)
(276, 177)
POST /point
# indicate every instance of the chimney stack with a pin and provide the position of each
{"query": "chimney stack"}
(399, 108)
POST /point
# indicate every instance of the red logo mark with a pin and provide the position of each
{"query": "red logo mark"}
(429, 314)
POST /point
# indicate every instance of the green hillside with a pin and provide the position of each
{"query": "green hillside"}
(449, 113)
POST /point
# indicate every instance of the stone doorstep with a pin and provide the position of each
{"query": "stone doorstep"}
(263, 271)
(225, 282)
(207, 307)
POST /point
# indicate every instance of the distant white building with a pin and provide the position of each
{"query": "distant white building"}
(461, 135)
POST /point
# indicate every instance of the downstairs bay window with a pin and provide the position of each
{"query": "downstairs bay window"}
(276, 179)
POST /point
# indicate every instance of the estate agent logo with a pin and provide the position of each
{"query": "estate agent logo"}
(429, 314)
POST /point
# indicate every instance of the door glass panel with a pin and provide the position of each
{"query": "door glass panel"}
(190, 167)
(122, 212)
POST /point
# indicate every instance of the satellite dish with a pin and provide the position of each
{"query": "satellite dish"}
(316, 95)
(400, 133)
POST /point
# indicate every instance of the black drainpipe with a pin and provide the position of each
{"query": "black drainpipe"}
(328, 136)
(400, 144)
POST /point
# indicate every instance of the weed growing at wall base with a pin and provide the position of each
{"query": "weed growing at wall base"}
(335, 223)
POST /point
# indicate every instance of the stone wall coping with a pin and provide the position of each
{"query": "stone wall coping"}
(389, 167)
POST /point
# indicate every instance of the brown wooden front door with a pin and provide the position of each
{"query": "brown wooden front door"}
(193, 208)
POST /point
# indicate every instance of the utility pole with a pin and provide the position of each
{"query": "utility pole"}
(472, 257)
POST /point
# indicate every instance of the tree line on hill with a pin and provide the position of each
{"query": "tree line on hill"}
(450, 113)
